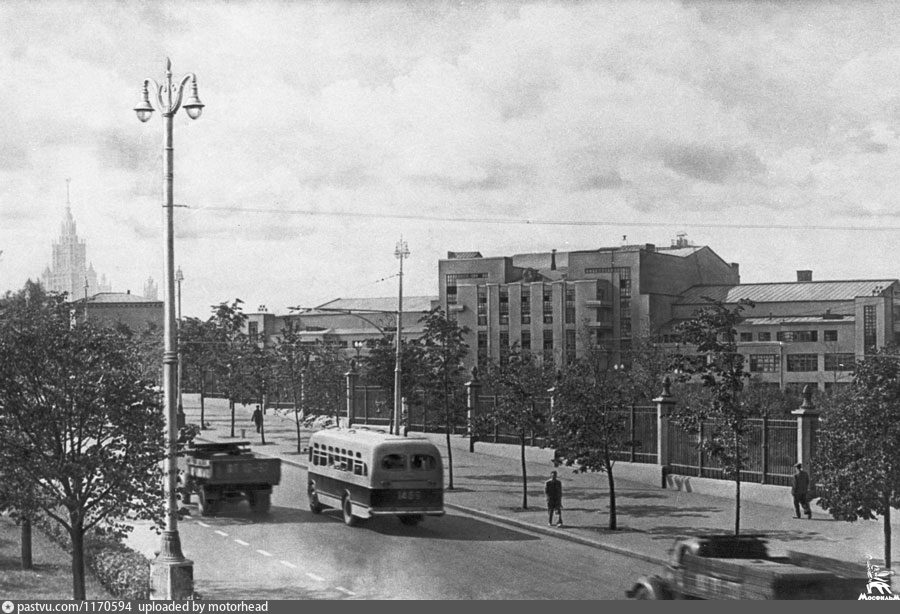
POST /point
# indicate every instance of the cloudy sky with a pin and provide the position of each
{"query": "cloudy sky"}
(768, 131)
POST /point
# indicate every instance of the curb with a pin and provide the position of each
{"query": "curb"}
(534, 528)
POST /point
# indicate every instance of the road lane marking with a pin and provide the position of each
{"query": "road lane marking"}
(344, 590)
(241, 542)
(264, 553)
(288, 564)
(222, 533)
(315, 577)
(203, 524)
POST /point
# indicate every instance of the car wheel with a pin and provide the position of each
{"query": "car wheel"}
(206, 506)
(349, 519)
(643, 593)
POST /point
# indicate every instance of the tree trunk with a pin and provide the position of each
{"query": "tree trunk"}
(202, 404)
(231, 407)
(449, 421)
(737, 504)
(25, 534)
(887, 530)
(524, 472)
(262, 421)
(612, 495)
(296, 417)
(77, 535)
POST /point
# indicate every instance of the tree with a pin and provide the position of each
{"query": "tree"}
(259, 365)
(517, 385)
(197, 339)
(82, 426)
(443, 352)
(590, 419)
(381, 362)
(324, 378)
(720, 368)
(232, 346)
(292, 359)
(857, 462)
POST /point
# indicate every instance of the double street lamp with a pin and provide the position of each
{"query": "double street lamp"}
(171, 574)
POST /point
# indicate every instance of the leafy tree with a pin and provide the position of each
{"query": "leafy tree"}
(590, 419)
(858, 459)
(324, 379)
(82, 426)
(261, 376)
(232, 346)
(380, 365)
(198, 342)
(443, 352)
(292, 357)
(517, 384)
(720, 368)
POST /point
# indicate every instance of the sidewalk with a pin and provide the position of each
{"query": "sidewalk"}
(488, 483)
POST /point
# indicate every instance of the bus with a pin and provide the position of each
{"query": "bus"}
(366, 472)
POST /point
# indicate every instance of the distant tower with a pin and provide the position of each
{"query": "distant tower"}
(151, 290)
(69, 268)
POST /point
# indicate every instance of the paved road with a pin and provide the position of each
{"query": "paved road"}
(293, 554)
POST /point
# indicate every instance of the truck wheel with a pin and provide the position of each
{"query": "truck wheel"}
(643, 593)
(314, 506)
(349, 519)
(411, 521)
(206, 506)
(260, 502)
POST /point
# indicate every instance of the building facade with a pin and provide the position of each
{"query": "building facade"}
(555, 304)
(805, 332)
(121, 308)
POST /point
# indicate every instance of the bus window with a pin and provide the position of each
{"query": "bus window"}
(359, 468)
(422, 462)
(394, 462)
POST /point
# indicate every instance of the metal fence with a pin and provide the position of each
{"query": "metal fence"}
(373, 405)
(771, 447)
(642, 429)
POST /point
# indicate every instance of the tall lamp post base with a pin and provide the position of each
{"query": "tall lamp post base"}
(171, 575)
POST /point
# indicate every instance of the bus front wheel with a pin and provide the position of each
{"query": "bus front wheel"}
(349, 519)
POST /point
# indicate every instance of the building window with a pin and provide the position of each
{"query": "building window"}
(548, 345)
(764, 363)
(830, 335)
(525, 305)
(570, 305)
(801, 363)
(839, 362)
(570, 346)
(482, 346)
(763, 336)
(504, 347)
(525, 343)
(482, 305)
(797, 336)
(870, 337)
(548, 305)
(253, 331)
(504, 306)
(746, 337)
(450, 283)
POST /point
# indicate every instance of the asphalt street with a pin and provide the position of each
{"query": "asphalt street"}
(294, 554)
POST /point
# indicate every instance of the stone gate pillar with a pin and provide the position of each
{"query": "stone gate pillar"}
(807, 423)
(664, 403)
(352, 376)
(473, 389)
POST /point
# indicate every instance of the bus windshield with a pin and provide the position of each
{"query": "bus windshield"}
(422, 462)
(394, 462)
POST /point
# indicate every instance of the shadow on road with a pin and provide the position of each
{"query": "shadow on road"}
(450, 527)
(657, 511)
(238, 513)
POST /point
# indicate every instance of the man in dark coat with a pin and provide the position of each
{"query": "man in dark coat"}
(553, 490)
(800, 491)
(257, 418)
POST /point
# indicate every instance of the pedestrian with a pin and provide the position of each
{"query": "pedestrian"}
(257, 418)
(553, 490)
(800, 492)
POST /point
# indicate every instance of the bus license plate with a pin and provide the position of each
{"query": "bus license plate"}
(409, 495)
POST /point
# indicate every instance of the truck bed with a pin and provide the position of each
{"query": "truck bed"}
(230, 464)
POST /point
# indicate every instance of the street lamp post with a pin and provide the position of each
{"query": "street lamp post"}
(179, 277)
(401, 252)
(358, 345)
(171, 574)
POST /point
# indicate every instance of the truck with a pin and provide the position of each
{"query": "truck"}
(740, 567)
(229, 471)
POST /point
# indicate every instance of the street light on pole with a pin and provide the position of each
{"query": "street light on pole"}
(401, 252)
(179, 277)
(171, 574)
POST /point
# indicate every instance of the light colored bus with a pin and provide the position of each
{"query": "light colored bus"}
(366, 473)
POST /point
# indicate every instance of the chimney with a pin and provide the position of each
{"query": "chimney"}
(553, 260)
(804, 275)
(127, 291)
(736, 268)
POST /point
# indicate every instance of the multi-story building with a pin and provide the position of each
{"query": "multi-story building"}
(554, 303)
(121, 308)
(351, 323)
(805, 332)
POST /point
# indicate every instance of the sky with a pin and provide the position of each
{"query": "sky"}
(765, 130)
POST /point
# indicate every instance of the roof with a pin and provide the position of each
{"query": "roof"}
(787, 291)
(774, 321)
(463, 255)
(119, 297)
(389, 303)
(681, 252)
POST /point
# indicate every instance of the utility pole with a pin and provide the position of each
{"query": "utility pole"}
(401, 252)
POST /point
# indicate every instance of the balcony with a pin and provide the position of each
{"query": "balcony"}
(599, 303)
(605, 324)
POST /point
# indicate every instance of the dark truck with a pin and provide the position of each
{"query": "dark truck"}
(729, 567)
(219, 472)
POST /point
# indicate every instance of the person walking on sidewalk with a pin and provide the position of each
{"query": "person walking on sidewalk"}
(553, 490)
(257, 418)
(800, 491)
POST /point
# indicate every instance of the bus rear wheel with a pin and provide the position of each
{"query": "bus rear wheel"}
(349, 519)
(314, 506)
(412, 520)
